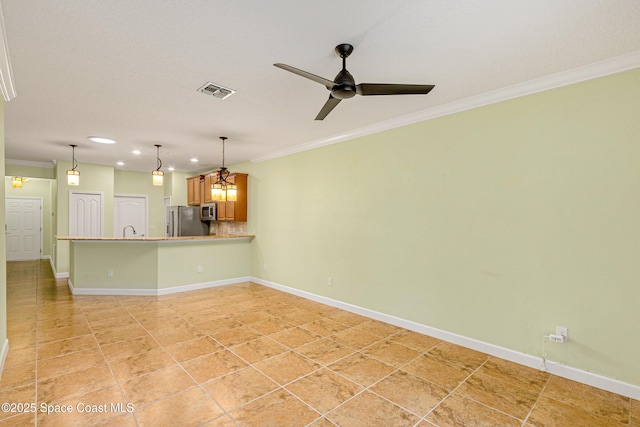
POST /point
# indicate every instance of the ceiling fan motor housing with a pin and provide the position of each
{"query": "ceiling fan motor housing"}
(345, 85)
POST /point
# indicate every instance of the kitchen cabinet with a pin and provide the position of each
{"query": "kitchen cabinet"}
(193, 190)
(205, 190)
(199, 191)
(235, 211)
(226, 211)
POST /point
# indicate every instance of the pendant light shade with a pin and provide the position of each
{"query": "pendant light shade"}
(16, 182)
(217, 193)
(158, 175)
(223, 190)
(232, 192)
(73, 175)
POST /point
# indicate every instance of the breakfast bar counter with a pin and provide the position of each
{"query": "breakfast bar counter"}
(156, 265)
(156, 239)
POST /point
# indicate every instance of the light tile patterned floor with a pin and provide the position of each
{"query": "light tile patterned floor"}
(248, 355)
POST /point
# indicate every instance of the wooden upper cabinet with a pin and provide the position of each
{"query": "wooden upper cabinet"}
(235, 211)
(199, 191)
(210, 178)
(193, 190)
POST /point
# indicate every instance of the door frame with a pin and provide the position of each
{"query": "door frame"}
(41, 218)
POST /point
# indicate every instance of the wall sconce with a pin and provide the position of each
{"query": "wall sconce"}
(16, 181)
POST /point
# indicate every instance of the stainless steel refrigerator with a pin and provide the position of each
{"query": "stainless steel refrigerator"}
(185, 221)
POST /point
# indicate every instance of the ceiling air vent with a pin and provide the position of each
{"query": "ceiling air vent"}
(216, 90)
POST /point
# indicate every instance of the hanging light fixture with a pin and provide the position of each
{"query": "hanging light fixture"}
(73, 176)
(223, 190)
(16, 182)
(158, 175)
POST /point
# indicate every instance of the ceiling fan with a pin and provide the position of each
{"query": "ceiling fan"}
(344, 85)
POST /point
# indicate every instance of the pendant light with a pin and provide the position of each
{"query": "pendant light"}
(16, 182)
(73, 176)
(223, 190)
(158, 175)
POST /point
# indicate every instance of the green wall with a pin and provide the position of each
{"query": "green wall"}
(29, 171)
(157, 265)
(134, 265)
(176, 188)
(498, 223)
(37, 188)
(220, 259)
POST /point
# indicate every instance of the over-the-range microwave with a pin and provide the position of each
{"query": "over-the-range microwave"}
(208, 212)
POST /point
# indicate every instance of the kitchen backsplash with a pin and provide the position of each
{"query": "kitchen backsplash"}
(228, 228)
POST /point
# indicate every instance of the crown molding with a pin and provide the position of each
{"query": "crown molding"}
(6, 74)
(553, 81)
(47, 165)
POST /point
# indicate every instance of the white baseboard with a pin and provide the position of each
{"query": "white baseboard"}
(3, 355)
(585, 377)
(555, 368)
(55, 273)
(155, 292)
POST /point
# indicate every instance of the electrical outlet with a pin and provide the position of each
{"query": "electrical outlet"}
(110, 272)
(564, 332)
(264, 266)
(199, 269)
(330, 281)
(556, 338)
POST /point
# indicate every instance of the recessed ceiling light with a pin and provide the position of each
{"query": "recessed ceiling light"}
(171, 168)
(120, 163)
(102, 140)
(194, 160)
(136, 152)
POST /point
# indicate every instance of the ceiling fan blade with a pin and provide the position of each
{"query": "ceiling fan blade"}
(327, 83)
(327, 107)
(367, 89)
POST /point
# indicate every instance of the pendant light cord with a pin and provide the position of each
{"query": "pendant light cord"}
(223, 179)
(159, 162)
(223, 138)
(74, 162)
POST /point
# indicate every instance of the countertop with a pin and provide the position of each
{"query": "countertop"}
(156, 239)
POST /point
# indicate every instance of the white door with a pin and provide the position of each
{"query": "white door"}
(130, 211)
(85, 214)
(23, 228)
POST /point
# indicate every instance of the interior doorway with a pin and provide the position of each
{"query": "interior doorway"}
(23, 228)
(130, 210)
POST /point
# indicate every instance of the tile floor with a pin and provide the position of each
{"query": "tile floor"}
(248, 355)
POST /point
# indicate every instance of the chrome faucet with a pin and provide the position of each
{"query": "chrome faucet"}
(124, 230)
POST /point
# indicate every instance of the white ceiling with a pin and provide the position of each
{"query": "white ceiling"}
(130, 70)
